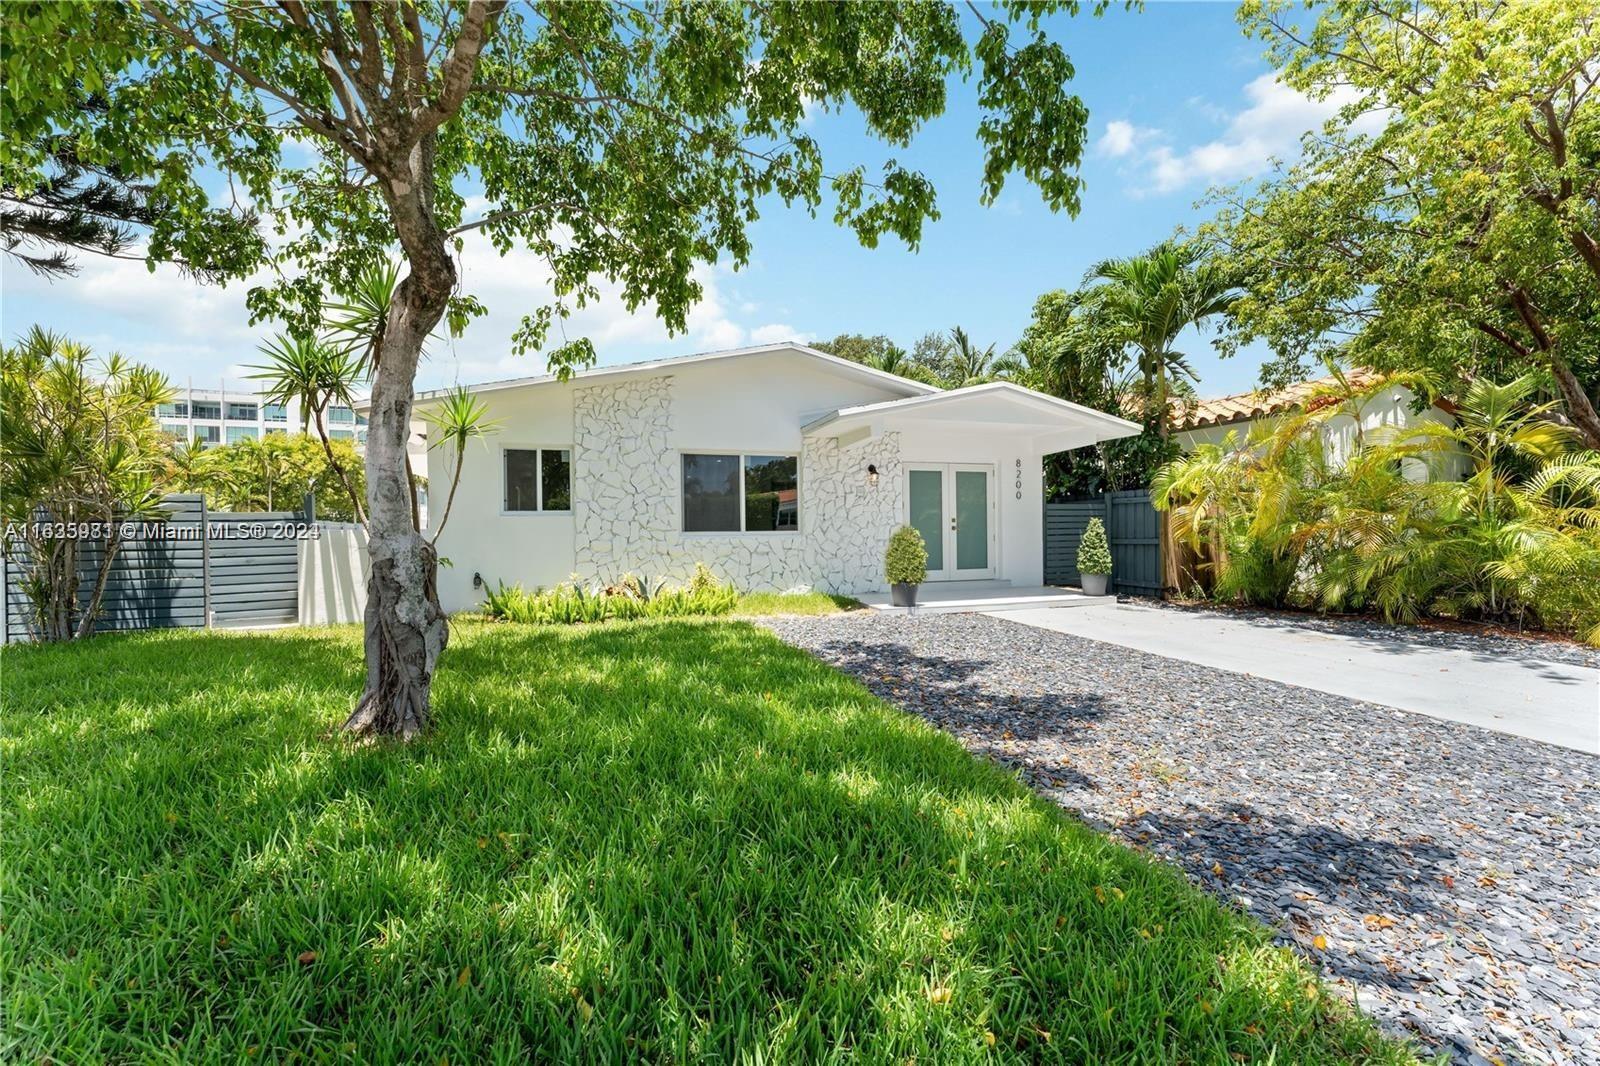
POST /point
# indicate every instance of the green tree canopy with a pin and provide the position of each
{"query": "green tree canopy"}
(857, 347)
(620, 142)
(1448, 217)
(274, 473)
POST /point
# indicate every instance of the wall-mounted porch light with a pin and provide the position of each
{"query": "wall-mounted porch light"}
(872, 475)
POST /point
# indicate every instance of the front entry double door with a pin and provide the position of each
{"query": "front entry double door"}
(953, 506)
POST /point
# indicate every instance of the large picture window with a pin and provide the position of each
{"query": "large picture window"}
(538, 479)
(741, 493)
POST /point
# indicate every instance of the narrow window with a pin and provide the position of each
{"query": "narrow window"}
(771, 493)
(711, 493)
(522, 479)
(555, 479)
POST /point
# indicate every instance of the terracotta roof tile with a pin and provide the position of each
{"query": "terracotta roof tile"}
(1247, 405)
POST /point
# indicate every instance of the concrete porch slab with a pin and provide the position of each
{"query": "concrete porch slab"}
(957, 597)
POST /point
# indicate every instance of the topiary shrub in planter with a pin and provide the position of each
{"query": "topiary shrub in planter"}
(905, 565)
(1094, 558)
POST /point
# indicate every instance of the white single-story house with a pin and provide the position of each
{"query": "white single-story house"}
(1391, 409)
(777, 466)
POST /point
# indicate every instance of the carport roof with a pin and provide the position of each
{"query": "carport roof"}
(1053, 423)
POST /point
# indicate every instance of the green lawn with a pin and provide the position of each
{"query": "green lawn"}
(664, 840)
(755, 604)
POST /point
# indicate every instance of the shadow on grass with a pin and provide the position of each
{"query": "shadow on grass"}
(669, 840)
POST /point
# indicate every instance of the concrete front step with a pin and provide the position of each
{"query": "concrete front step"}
(944, 599)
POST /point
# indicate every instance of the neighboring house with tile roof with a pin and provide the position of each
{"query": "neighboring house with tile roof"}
(1196, 422)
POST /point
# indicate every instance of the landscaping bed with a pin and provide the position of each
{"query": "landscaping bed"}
(652, 840)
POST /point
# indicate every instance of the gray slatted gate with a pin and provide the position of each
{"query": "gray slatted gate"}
(1133, 529)
(253, 568)
(225, 568)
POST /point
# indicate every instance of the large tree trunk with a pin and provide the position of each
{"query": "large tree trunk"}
(405, 627)
(1579, 407)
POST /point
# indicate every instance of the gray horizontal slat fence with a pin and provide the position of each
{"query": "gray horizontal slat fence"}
(231, 568)
(1064, 524)
(1133, 530)
(155, 583)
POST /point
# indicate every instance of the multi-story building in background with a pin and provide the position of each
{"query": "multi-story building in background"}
(228, 413)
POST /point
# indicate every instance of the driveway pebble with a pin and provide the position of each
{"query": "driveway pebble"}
(1452, 874)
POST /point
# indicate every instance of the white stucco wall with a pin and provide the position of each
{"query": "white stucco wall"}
(627, 435)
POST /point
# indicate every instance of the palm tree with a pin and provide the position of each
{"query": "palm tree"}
(970, 365)
(314, 375)
(1146, 302)
(894, 359)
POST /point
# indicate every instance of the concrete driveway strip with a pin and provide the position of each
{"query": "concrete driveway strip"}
(1517, 693)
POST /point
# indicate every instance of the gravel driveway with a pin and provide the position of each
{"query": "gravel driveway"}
(1453, 873)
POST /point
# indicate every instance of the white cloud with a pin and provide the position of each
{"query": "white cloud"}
(775, 332)
(202, 332)
(1120, 138)
(1269, 128)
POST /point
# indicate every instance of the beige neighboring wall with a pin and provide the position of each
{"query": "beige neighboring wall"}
(1392, 407)
(333, 575)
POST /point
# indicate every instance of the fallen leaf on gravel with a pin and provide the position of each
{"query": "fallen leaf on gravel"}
(1319, 942)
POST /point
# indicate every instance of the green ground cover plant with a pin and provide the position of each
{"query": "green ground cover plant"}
(645, 841)
(629, 597)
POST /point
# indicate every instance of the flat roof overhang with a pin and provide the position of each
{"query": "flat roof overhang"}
(1048, 423)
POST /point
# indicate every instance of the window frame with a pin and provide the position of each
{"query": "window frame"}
(538, 479)
(743, 456)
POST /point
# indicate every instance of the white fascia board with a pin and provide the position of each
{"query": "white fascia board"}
(848, 368)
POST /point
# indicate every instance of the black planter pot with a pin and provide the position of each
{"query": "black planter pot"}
(903, 595)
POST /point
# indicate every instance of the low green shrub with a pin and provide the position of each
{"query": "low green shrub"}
(906, 560)
(631, 597)
(1094, 553)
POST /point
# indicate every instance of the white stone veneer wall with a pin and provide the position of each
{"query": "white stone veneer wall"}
(627, 506)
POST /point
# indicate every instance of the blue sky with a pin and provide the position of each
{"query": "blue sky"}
(1178, 99)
